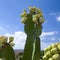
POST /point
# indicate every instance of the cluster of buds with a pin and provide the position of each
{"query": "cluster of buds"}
(24, 16)
(4, 40)
(36, 15)
(52, 52)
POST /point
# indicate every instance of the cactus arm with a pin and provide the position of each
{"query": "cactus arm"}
(9, 53)
(30, 39)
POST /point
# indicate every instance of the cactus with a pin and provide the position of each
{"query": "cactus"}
(52, 52)
(6, 49)
(33, 28)
(9, 53)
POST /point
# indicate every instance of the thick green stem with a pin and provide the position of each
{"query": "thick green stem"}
(9, 53)
(32, 27)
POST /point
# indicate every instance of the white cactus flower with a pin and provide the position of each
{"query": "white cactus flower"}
(23, 19)
(3, 39)
(39, 12)
(41, 20)
(36, 15)
(34, 19)
(33, 9)
(24, 14)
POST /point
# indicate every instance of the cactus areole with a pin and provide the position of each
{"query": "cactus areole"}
(33, 28)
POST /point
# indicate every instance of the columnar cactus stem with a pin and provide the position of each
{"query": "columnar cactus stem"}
(33, 29)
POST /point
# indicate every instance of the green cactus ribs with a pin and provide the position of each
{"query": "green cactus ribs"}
(33, 28)
(52, 52)
(6, 50)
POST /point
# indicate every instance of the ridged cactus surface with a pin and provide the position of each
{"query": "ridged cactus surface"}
(6, 50)
(52, 52)
(33, 28)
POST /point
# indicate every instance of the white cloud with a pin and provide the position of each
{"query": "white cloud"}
(20, 38)
(48, 33)
(58, 18)
(56, 15)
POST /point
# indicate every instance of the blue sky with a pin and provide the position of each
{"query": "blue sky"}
(10, 24)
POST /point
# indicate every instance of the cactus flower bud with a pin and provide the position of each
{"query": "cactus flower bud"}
(3, 39)
(11, 44)
(56, 57)
(24, 10)
(47, 49)
(48, 54)
(39, 12)
(59, 47)
(45, 57)
(41, 20)
(50, 59)
(34, 20)
(54, 45)
(36, 15)
(24, 14)
(11, 39)
(33, 9)
(23, 19)
(54, 51)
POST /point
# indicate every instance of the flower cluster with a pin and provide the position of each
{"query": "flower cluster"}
(36, 15)
(52, 52)
(24, 16)
(4, 40)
